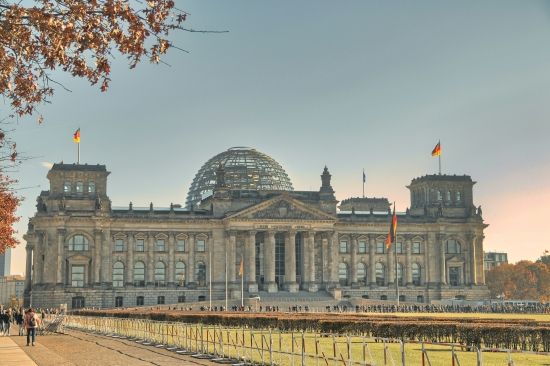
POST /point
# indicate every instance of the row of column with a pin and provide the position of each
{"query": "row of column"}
(329, 253)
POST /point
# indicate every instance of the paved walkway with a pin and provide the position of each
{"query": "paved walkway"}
(83, 349)
(12, 355)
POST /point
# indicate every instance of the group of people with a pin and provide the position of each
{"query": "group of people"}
(26, 320)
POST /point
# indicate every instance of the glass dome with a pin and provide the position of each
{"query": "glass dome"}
(245, 168)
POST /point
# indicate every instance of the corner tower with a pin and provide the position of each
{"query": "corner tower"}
(442, 195)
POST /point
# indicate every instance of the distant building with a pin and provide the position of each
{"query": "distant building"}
(5, 261)
(11, 290)
(494, 259)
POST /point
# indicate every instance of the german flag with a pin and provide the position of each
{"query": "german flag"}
(437, 150)
(241, 267)
(393, 230)
(76, 136)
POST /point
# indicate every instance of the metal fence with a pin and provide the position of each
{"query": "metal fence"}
(285, 348)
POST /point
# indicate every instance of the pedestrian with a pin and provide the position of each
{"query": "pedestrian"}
(19, 320)
(32, 321)
(4, 322)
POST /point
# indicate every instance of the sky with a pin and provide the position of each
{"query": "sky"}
(351, 85)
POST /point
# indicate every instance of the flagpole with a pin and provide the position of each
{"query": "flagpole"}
(226, 278)
(242, 281)
(78, 153)
(396, 263)
(363, 183)
(439, 156)
(210, 278)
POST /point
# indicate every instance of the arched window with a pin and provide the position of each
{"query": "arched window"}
(139, 274)
(380, 274)
(180, 273)
(400, 274)
(448, 195)
(458, 196)
(343, 274)
(160, 274)
(362, 273)
(416, 273)
(453, 247)
(118, 274)
(439, 196)
(200, 273)
(78, 242)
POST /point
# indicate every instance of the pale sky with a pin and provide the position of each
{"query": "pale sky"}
(350, 85)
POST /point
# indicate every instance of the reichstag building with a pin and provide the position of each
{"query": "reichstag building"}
(242, 208)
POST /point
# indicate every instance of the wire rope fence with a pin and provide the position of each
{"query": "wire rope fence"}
(250, 346)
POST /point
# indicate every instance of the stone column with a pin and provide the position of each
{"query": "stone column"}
(106, 258)
(353, 264)
(96, 261)
(408, 263)
(60, 249)
(390, 267)
(28, 268)
(372, 262)
(190, 278)
(480, 273)
(251, 262)
(269, 262)
(443, 268)
(468, 250)
(38, 262)
(312, 281)
(290, 262)
(334, 259)
(171, 260)
(231, 243)
(150, 278)
(325, 261)
(129, 278)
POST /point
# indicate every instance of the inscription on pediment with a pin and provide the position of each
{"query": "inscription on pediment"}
(283, 210)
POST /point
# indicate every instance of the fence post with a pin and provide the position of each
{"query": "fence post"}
(349, 351)
(423, 355)
(402, 352)
(453, 355)
(303, 350)
(479, 358)
(292, 348)
(270, 347)
(385, 353)
(510, 361)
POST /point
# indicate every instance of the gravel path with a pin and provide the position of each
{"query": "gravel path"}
(84, 349)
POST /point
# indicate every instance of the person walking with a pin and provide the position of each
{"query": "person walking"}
(32, 321)
(20, 321)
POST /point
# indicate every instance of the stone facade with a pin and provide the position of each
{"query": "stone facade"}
(83, 252)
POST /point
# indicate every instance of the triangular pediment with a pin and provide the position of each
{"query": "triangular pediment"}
(455, 260)
(283, 208)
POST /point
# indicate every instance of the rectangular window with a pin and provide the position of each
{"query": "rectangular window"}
(91, 187)
(139, 300)
(399, 247)
(200, 245)
(380, 247)
(180, 245)
(77, 276)
(363, 247)
(140, 245)
(343, 246)
(416, 249)
(118, 302)
(181, 298)
(67, 187)
(79, 187)
(160, 300)
(160, 245)
(119, 245)
(458, 196)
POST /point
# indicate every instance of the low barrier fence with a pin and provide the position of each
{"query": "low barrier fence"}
(286, 348)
